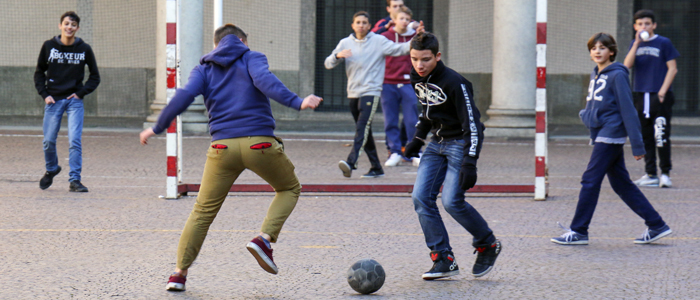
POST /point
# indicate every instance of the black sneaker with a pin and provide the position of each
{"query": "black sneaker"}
(76, 186)
(444, 265)
(374, 173)
(47, 180)
(486, 258)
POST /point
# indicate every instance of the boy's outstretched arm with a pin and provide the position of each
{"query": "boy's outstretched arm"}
(269, 84)
(178, 104)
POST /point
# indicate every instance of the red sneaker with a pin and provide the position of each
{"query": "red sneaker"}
(176, 283)
(262, 254)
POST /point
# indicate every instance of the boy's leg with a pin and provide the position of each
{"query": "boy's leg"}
(453, 198)
(410, 110)
(647, 123)
(666, 111)
(390, 107)
(53, 113)
(629, 192)
(75, 111)
(602, 158)
(354, 153)
(366, 107)
(273, 166)
(222, 168)
(431, 174)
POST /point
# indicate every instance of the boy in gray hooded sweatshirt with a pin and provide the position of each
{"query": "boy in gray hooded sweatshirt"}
(363, 53)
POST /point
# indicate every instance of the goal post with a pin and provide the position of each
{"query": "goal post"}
(176, 188)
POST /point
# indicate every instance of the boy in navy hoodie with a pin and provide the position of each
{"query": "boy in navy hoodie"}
(59, 80)
(610, 117)
(236, 84)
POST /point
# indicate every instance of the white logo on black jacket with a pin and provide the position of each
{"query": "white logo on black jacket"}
(430, 94)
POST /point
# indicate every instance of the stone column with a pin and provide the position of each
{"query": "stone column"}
(161, 72)
(512, 110)
(191, 19)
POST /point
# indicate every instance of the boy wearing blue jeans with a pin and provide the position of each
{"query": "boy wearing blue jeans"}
(450, 113)
(59, 80)
(610, 117)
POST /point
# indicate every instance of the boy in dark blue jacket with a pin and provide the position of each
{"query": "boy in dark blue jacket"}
(236, 84)
(611, 117)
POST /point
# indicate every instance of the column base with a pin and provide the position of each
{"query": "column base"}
(509, 132)
(510, 123)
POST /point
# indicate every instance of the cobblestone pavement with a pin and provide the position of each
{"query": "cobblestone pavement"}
(119, 240)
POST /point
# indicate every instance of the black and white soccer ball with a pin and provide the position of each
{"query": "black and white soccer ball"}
(366, 276)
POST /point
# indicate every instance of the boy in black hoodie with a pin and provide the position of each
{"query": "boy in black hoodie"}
(449, 112)
(59, 76)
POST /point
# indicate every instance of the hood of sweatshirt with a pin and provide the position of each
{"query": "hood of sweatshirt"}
(78, 41)
(230, 49)
(616, 66)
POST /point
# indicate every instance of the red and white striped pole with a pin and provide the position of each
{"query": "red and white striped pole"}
(541, 171)
(172, 60)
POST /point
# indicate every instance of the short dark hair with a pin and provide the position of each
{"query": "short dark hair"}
(425, 41)
(360, 13)
(607, 40)
(227, 29)
(72, 15)
(645, 13)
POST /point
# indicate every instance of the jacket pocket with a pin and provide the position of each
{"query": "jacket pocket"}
(589, 117)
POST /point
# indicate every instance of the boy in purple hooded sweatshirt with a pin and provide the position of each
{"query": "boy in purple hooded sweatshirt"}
(236, 84)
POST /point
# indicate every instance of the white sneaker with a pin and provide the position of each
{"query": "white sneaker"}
(415, 161)
(647, 180)
(393, 160)
(665, 181)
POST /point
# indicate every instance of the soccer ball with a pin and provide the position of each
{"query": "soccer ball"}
(366, 276)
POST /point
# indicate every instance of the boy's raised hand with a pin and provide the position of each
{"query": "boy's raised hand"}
(311, 101)
(421, 28)
(344, 54)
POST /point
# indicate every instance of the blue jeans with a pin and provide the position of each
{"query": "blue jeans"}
(393, 97)
(441, 163)
(52, 123)
(609, 159)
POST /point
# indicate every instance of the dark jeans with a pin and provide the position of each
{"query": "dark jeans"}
(440, 164)
(609, 159)
(659, 120)
(399, 98)
(363, 110)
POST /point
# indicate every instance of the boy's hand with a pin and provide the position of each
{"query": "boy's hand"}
(72, 96)
(49, 100)
(637, 38)
(467, 176)
(311, 101)
(344, 54)
(638, 157)
(412, 149)
(147, 133)
(389, 24)
(421, 28)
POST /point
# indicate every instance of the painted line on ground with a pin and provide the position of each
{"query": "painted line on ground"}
(307, 232)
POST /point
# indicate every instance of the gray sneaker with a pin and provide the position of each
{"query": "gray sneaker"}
(345, 167)
(647, 180)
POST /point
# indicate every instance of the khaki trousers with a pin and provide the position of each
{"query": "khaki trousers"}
(226, 159)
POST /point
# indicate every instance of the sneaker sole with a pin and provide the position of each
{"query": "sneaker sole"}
(665, 186)
(483, 273)
(265, 262)
(432, 276)
(373, 176)
(650, 184)
(656, 238)
(347, 171)
(175, 287)
(569, 243)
